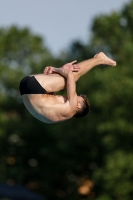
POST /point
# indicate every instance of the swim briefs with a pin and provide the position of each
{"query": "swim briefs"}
(29, 85)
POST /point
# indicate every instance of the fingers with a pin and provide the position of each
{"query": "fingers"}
(45, 70)
(73, 62)
(76, 67)
(48, 70)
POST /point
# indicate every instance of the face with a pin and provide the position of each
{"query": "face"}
(80, 101)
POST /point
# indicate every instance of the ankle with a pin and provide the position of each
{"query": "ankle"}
(98, 61)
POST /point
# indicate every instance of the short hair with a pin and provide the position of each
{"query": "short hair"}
(85, 109)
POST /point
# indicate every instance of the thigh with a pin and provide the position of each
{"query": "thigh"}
(51, 82)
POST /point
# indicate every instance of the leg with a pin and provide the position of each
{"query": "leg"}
(87, 65)
(57, 82)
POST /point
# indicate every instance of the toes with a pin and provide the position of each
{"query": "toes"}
(96, 55)
(114, 64)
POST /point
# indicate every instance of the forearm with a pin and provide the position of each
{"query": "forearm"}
(61, 71)
(71, 88)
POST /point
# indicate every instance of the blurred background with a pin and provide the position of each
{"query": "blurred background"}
(80, 159)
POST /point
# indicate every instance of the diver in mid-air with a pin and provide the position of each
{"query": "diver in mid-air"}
(38, 91)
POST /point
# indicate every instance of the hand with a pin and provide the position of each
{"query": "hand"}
(47, 70)
(70, 66)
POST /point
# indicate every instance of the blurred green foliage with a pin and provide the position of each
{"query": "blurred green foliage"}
(80, 159)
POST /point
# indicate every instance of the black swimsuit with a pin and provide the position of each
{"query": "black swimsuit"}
(29, 85)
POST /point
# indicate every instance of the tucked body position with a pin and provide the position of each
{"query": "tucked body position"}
(38, 91)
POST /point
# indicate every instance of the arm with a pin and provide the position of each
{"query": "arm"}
(70, 87)
(61, 71)
(70, 66)
(60, 111)
(71, 91)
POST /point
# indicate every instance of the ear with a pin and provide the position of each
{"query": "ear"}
(79, 106)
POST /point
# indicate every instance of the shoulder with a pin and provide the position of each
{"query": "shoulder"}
(65, 110)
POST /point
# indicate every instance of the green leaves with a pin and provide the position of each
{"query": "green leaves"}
(67, 157)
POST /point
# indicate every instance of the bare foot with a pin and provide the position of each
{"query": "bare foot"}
(104, 59)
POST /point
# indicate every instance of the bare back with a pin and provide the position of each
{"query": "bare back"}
(47, 108)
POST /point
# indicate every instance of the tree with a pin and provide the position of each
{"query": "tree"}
(90, 158)
(21, 53)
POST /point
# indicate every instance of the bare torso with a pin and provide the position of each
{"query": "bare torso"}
(43, 106)
(50, 108)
